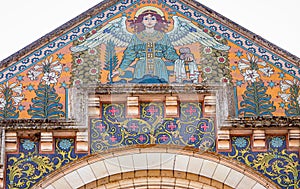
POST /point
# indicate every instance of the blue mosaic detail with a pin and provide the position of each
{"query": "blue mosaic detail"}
(278, 164)
(152, 127)
(28, 167)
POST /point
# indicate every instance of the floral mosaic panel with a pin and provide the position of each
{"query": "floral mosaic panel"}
(277, 163)
(37, 93)
(115, 130)
(27, 167)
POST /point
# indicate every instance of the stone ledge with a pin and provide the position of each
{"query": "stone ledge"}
(263, 122)
(25, 124)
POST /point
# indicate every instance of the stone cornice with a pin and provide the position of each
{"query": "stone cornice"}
(264, 122)
(153, 88)
(26, 124)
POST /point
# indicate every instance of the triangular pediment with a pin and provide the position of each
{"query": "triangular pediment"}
(191, 44)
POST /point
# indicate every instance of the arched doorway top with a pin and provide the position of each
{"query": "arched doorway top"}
(213, 167)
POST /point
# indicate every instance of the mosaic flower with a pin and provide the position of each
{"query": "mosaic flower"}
(77, 82)
(250, 66)
(92, 51)
(12, 91)
(207, 50)
(267, 71)
(50, 78)
(79, 61)
(93, 71)
(218, 37)
(207, 69)
(50, 69)
(240, 142)
(81, 39)
(251, 59)
(286, 95)
(17, 99)
(32, 74)
(221, 59)
(276, 142)
(28, 145)
(64, 144)
(225, 80)
(2, 103)
(250, 75)
(242, 66)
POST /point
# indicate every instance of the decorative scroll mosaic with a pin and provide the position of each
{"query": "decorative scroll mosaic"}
(152, 127)
(27, 167)
(277, 163)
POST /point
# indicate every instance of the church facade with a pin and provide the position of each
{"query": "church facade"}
(150, 94)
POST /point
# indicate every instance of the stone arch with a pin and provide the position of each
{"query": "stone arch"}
(155, 166)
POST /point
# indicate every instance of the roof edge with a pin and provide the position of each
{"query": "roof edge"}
(106, 3)
(56, 32)
(247, 33)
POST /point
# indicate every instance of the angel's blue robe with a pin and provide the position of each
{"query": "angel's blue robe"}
(151, 51)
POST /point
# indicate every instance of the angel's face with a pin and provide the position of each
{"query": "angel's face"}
(149, 21)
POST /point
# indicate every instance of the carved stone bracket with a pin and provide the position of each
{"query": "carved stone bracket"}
(11, 141)
(171, 106)
(82, 141)
(294, 138)
(46, 141)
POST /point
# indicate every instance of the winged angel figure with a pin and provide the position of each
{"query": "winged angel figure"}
(150, 46)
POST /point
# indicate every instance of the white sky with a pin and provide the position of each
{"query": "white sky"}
(23, 22)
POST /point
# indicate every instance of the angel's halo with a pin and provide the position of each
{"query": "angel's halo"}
(143, 9)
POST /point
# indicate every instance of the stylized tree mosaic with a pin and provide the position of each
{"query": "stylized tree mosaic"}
(215, 63)
(86, 65)
(46, 103)
(111, 59)
(256, 102)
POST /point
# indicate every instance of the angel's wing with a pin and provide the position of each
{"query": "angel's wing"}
(114, 31)
(185, 32)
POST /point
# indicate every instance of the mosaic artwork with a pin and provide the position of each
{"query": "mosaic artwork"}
(149, 42)
(115, 130)
(27, 167)
(277, 163)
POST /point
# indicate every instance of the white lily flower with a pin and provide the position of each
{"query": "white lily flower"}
(250, 75)
(33, 74)
(17, 99)
(284, 86)
(2, 103)
(50, 78)
(285, 97)
(263, 63)
(17, 89)
(57, 68)
(245, 60)
(289, 82)
(242, 65)
(36, 67)
(11, 85)
(268, 71)
(296, 82)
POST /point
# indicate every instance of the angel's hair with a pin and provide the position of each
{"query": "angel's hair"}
(137, 23)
